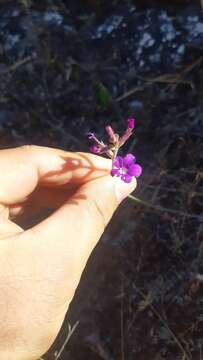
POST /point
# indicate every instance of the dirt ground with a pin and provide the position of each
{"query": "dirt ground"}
(69, 67)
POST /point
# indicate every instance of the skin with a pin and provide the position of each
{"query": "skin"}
(42, 258)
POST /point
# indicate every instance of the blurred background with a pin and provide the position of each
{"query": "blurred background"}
(69, 67)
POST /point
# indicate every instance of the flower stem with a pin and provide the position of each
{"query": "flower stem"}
(163, 209)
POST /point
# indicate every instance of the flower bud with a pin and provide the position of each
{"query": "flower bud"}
(94, 149)
(131, 123)
(113, 138)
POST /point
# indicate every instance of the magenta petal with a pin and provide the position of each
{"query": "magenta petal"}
(135, 170)
(115, 172)
(127, 178)
(128, 160)
(118, 162)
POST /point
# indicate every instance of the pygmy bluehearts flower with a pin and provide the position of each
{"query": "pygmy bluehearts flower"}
(126, 168)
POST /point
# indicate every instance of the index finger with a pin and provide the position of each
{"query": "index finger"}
(23, 168)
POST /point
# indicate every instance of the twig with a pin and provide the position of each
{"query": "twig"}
(162, 209)
(122, 323)
(70, 332)
(165, 78)
(174, 336)
(16, 65)
(194, 193)
(188, 68)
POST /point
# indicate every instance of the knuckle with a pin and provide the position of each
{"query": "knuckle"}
(100, 212)
(29, 147)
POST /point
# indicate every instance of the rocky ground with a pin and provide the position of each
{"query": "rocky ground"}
(69, 67)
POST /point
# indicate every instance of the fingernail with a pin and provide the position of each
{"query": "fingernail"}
(123, 189)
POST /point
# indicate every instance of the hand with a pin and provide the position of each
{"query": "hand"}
(40, 266)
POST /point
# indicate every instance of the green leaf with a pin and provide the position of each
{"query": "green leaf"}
(102, 94)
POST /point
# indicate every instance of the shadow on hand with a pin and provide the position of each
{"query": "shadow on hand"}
(73, 166)
(50, 196)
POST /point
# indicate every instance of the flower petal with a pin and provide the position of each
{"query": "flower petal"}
(118, 162)
(115, 172)
(127, 178)
(128, 160)
(135, 170)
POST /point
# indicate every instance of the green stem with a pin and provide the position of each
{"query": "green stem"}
(163, 209)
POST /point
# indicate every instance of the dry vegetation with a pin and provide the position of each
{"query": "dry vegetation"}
(141, 294)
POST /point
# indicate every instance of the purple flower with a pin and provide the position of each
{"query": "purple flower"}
(126, 168)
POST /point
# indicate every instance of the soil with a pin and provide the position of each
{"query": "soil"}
(69, 67)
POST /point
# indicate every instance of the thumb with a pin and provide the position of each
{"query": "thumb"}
(101, 197)
(71, 233)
